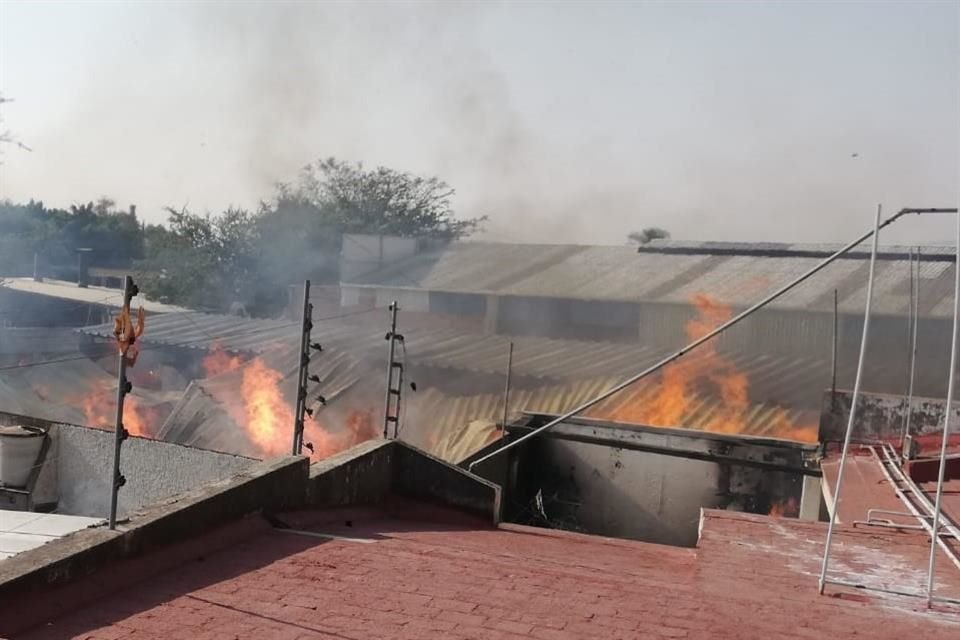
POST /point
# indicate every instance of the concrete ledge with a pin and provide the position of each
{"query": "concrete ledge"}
(881, 416)
(419, 475)
(374, 472)
(361, 475)
(278, 484)
(377, 470)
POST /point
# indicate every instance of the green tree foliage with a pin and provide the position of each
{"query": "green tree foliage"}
(55, 235)
(379, 200)
(206, 262)
(215, 262)
(199, 261)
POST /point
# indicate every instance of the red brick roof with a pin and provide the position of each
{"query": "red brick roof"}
(419, 577)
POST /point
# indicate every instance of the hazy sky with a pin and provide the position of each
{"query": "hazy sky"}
(564, 122)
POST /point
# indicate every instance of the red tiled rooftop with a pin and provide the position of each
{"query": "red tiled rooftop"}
(409, 577)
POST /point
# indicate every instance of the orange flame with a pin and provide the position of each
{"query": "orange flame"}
(676, 398)
(268, 419)
(218, 361)
(784, 509)
(99, 408)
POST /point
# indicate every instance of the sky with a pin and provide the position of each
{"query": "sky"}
(563, 122)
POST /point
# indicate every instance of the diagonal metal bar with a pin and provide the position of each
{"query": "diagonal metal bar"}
(696, 343)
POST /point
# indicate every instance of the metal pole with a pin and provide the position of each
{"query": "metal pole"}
(301, 403)
(853, 402)
(946, 422)
(696, 343)
(119, 431)
(915, 322)
(393, 345)
(506, 389)
(833, 365)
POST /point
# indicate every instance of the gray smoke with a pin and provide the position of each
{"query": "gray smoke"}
(206, 105)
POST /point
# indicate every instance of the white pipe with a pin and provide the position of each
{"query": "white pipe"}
(853, 402)
(946, 422)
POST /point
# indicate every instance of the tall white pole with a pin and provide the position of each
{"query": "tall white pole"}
(946, 424)
(853, 403)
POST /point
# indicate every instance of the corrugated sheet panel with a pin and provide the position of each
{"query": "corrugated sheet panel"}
(461, 425)
(202, 417)
(195, 330)
(669, 272)
(56, 391)
(786, 380)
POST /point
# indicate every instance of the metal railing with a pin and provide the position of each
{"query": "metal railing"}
(934, 511)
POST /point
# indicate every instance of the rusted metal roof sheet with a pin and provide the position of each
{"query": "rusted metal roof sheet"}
(737, 274)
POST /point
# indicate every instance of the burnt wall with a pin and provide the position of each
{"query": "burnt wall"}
(881, 416)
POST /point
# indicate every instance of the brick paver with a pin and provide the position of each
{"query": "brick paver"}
(751, 577)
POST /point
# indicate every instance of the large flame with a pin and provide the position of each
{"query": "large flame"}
(99, 407)
(680, 381)
(265, 415)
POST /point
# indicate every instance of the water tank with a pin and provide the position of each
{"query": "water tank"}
(19, 449)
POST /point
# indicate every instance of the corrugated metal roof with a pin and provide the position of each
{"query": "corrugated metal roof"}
(102, 296)
(787, 380)
(37, 340)
(460, 425)
(448, 411)
(196, 330)
(202, 417)
(56, 391)
(736, 274)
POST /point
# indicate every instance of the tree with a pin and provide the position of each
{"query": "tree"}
(202, 262)
(56, 234)
(380, 200)
(239, 257)
(649, 235)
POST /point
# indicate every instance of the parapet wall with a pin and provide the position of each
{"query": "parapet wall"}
(880, 416)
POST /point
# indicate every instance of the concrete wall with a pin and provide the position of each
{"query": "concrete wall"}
(647, 496)
(34, 584)
(82, 466)
(881, 416)
(362, 254)
(373, 471)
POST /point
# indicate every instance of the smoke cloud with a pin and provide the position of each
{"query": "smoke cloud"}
(562, 123)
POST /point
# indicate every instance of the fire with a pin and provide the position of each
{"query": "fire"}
(99, 407)
(267, 418)
(784, 509)
(676, 398)
(218, 361)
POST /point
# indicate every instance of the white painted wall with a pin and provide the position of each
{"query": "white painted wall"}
(80, 467)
